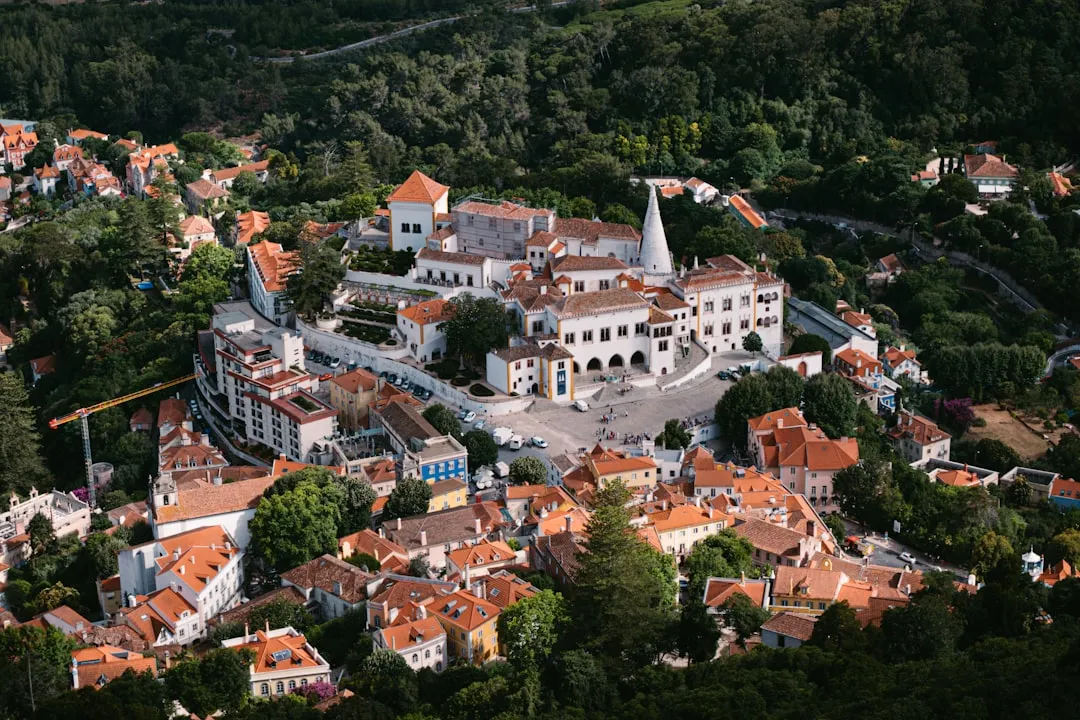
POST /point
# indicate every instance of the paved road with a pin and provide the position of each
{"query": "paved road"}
(887, 553)
(389, 36)
(1059, 358)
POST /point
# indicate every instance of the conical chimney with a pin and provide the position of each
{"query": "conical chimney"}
(655, 256)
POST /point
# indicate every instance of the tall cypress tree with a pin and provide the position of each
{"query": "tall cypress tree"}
(20, 445)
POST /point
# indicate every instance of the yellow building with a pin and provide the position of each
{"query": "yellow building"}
(350, 395)
(470, 624)
(447, 494)
(606, 465)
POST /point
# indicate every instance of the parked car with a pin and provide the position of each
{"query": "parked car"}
(383, 374)
(516, 442)
(461, 415)
(724, 375)
(335, 363)
(480, 424)
(469, 417)
(392, 379)
(537, 441)
(909, 558)
(405, 384)
(581, 406)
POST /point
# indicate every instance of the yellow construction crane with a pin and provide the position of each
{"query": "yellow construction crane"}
(83, 413)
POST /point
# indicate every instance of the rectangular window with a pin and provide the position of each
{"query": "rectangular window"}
(726, 329)
(605, 334)
(744, 324)
(605, 284)
(726, 304)
(641, 329)
(568, 339)
(404, 227)
(416, 228)
(579, 286)
(529, 362)
(624, 330)
(586, 336)
(517, 366)
(663, 346)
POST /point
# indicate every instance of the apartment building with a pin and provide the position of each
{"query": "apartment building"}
(202, 570)
(260, 375)
(681, 528)
(435, 535)
(66, 512)
(497, 229)
(421, 642)
(539, 368)
(333, 586)
(470, 622)
(269, 268)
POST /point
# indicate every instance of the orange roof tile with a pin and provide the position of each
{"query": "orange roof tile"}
(743, 208)
(503, 588)
(273, 264)
(250, 224)
(369, 542)
(418, 188)
(464, 610)
(988, 166)
(356, 380)
(787, 417)
(430, 312)
(203, 499)
(266, 647)
(685, 516)
(96, 666)
(232, 172)
(484, 553)
(415, 632)
(719, 590)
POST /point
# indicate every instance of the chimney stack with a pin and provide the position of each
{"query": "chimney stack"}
(247, 631)
(479, 527)
(569, 522)
(423, 538)
(382, 531)
(421, 612)
(399, 523)
(466, 575)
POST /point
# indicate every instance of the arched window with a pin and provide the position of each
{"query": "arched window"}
(292, 685)
(438, 650)
(415, 657)
(378, 621)
(760, 298)
(427, 654)
(264, 689)
(303, 682)
(280, 687)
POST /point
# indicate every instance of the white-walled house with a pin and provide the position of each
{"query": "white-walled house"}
(415, 207)
(529, 368)
(421, 642)
(918, 438)
(806, 364)
(419, 325)
(902, 361)
(453, 269)
(204, 567)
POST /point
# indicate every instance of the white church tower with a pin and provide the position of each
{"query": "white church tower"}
(656, 263)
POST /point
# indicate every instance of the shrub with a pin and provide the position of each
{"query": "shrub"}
(460, 381)
(979, 422)
(481, 390)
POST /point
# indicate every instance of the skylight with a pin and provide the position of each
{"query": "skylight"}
(281, 655)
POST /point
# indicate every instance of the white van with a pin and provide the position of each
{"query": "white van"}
(516, 442)
(501, 469)
(581, 405)
(502, 435)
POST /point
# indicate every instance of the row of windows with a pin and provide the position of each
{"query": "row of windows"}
(415, 228)
(809, 604)
(279, 689)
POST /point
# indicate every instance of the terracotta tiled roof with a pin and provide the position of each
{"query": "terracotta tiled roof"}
(250, 224)
(891, 263)
(541, 238)
(787, 417)
(414, 632)
(203, 189)
(333, 576)
(195, 225)
(67, 616)
(924, 175)
(659, 317)
(356, 380)
(551, 351)
(916, 428)
(265, 648)
(686, 516)
(484, 553)
(564, 548)
(445, 487)
(173, 411)
(770, 537)
(46, 171)
(704, 278)
(503, 588)
(418, 188)
(205, 499)
(854, 357)
(667, 301)
(398, 591)
(273, 264)
(794, 625)
(724, 475)
(464, 610)
(896, 356)
(812, 583)
(743, 208)
(957, 478)
(430, 312)
(44, 365)
(1060, 184)
(65, 153)
(576, 263)
(1057, 572)
(591, 230)
(454, 258)
(82, 134)
(988, 166)
(589, 303)
(121, 636)
(719, 590)
(369, 542)
(505, 210)
(197, 556)
(96, 666)
(672, 191)
(445, 526)
(406, 422)
(802, 447)
(232, 172)
(855, 319)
